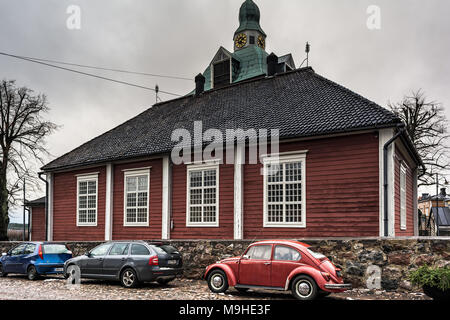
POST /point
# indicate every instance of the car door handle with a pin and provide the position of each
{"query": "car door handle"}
(267, 263)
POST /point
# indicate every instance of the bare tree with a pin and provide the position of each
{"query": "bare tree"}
(426, 124)
(22, 139)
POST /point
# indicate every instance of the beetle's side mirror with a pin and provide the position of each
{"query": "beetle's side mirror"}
(4, 254)
(245, 257)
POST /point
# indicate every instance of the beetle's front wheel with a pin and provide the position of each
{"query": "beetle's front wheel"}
(218, 281)
(304, 288)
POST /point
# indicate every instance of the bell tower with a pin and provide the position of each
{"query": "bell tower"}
(249, 32)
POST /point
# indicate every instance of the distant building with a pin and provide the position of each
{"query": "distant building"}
(435, 214)
(427, 201)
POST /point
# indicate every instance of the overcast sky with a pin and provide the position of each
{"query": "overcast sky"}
(180, 37)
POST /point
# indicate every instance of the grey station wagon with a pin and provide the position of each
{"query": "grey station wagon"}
(129, 262)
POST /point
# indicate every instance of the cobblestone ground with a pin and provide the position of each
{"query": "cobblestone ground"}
(54, 288)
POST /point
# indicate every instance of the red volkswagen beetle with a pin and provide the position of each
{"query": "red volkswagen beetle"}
(278, 265)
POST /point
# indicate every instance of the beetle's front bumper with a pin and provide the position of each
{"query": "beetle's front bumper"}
(338, 286)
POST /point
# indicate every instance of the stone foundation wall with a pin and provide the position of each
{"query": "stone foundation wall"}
(377, 263)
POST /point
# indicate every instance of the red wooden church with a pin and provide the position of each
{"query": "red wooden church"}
(345, 168)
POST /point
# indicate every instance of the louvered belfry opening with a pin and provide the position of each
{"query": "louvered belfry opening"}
(222, 75)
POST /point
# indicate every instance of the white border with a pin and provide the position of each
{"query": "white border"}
(133, 173)
(87, 178)
(280, 158)
(188, 194)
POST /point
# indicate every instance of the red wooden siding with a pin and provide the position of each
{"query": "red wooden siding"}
(38, 223)
(342, 190)
(153, 231)
(65, 207)
(409, 197)
(226, 206)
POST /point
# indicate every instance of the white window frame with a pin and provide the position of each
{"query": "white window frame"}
(131, 174)
(300, 157)
(202, 167)
(403, 179)
(87, 178)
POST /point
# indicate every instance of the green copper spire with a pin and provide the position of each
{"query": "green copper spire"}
(249, 17)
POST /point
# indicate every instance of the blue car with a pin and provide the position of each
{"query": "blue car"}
(35, 259)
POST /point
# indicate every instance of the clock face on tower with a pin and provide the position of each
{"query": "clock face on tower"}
(241, 40)
(261, 42)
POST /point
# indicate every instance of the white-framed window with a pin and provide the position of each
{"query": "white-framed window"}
(136, 198)
(202, 196)
(402, 197)
(87, 199)
(285, 191)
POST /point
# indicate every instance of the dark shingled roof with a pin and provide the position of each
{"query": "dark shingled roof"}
(299, 103)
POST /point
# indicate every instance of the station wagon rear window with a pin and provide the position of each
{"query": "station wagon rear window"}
(55, 249)
(164, 249)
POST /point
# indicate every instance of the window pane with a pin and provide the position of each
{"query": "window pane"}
(293, 192)
(274, 173)
(293, 212)
(139, 250)
(131, 200)
(209, 196)
(131, 215)
(275, 213)
(143, 183)
(210, 178)
(92, 216)
(55, 249)
(100, 250)
(119, 249)
(82, 216)
(196, 196)
(29, 249)
(286, 254)
(82, 189)
(142, 215)
(82, 202)
(293, 171)
(260, 252)
(92, 187)
(142, 199)
(92, 202)
(131, 184)
(275, 193)
(209, 214)
(196, 179)
(196, 214)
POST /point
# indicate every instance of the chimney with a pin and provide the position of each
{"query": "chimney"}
(199, 84)
(444, 192)
(272, 64)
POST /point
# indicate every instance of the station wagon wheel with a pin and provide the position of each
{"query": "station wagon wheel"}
(128, 278)
(32, 273)
(304, 288)
(218, 281)
(2, 274)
